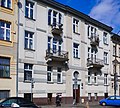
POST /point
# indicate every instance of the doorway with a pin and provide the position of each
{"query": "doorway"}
(49, 96)
(76, 93)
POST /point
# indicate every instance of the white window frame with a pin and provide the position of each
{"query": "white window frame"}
(95, 78)
(28, 69)
(76, 50)
(76, 24)
(105, 58)
(30, 8)
(5, 29)
(58, 15)
(51, 73)
(59, 72)
(105, 38)
(105, 79)
(92, 31)
(114, 49)
(29, 39)
(89, 78)
(6, 4)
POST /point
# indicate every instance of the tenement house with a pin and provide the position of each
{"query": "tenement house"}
(8, 46)
(62, 51)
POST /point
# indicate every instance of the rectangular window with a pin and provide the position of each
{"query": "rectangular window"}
(92, 32)
(4, 94)
(49, 74)
(105, 79)
(54, 18)
(6, 3)
(5, 30)
(89, 78)
(105, 58)
(75, 25)
(95, 94)
(75, 50)
(105, 41)
(4, 67)
(119, 52)
(88, 52)
(29, 9)
(95, 78)
(28, 68)
(89, 96)
(59, 75)
(29, 40)
(114, 50)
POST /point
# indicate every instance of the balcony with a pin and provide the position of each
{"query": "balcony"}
(53, 55)
(94, 40)
(57, 29)
(95, 63)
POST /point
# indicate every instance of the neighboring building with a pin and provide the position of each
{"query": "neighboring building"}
(115, 61)
(8, 46)
(62, 51)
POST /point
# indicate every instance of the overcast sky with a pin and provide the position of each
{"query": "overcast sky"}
(105, 11)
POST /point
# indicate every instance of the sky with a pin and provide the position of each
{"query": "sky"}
(105, 11)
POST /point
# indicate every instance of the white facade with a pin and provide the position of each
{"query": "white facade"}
(47, 28)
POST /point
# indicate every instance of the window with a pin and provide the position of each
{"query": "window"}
(89, 96)
(95, 94)
(75, 50)
(114, 50)
(75, 25)
(119, 52)
(105, 41)
(89, 78)
(28, 68)
(5, 30)
(29, 9)
(119, 69)
(95, 78)
(92, 32)
(6, 3)
(59, 75)
(88, 52)
(29, 40)
(54, 45)
(4, 67)
(54, 18)
(105, 57)
(49, 73)
(4, 94)
(105, 79)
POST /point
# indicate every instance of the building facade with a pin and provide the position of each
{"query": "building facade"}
(62, 51)
(8, 46)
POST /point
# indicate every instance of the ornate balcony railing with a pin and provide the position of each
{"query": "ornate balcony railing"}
(94, 39)
(56, 55)
(95, 62)
(57, 28)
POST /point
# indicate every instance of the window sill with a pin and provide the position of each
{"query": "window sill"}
(96, 84)
(5, 41)
(106, 64)
(59, 82)
(50, 82)
(89, 83)
(106, 44)
(30, 18)
(76, 33)
(5, 78)
(76, 57)
(29, 49)
(7, 8)
(27, 81)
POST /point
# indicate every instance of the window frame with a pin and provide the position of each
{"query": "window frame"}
(28, 37)
(105, 57)
(26, 70)
(105, 79)
(4, 29)
(89, 78)
(6, 5)
(5, 66)
(105, 38)
(76, 26)
(29, 8)
(50, 71)
(76, 50)
(59, 72)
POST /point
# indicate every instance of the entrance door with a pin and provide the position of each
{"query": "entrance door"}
(76, 93)
(49, 98)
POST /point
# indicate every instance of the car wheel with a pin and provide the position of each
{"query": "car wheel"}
(103, 103)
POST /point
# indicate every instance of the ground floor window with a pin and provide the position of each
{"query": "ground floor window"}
(89, 96)
(28, 96)
(4, 94)
(95, 96)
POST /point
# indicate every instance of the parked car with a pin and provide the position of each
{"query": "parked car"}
(110, 101)
(17, 102)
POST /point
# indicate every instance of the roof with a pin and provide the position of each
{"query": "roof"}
(76, 13)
